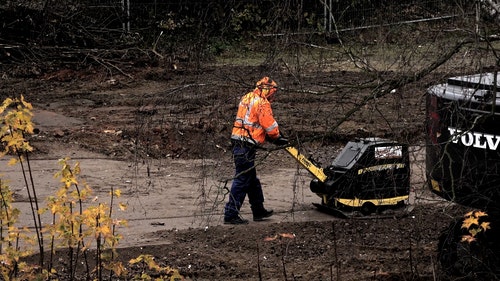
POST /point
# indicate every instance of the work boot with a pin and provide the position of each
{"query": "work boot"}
(235, 220)
(262, 214)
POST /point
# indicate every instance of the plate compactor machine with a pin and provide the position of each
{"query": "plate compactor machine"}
(369, 175)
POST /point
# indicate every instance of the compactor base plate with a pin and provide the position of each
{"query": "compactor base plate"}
(391, 212)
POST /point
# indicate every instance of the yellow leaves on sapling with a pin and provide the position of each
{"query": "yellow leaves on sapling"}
(93, 222)
(100, 225)
(117, 192)
(9, 216)
(15, 117)
(13, 161)
(71, 221)
(147, 259)
(469, 221)
(117, 267)
(120, 222)
(68, 175)
(485, 225)
(151, 264)
(122, 206)
(472, 224)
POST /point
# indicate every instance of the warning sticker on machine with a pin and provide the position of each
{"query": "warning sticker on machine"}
(388, 152)
(381, 167)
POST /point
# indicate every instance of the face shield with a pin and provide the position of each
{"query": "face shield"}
(271, 95)
(268, 88)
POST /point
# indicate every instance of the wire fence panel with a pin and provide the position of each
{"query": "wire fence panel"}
(321, 15)
(349, 15)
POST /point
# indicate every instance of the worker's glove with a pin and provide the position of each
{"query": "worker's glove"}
(281, 140)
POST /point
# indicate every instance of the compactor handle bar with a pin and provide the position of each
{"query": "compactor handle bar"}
(306, 163)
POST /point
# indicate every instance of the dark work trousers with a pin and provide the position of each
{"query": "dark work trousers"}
(245, 181)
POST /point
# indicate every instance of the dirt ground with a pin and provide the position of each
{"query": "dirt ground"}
(161, 136)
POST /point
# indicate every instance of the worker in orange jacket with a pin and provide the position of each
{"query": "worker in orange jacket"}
(254, 125)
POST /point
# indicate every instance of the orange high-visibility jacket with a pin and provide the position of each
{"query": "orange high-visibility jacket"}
(254, 119)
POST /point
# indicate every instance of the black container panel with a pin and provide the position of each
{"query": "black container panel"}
(463, 147)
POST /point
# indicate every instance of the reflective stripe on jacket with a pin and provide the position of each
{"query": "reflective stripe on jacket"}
(254, 119)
